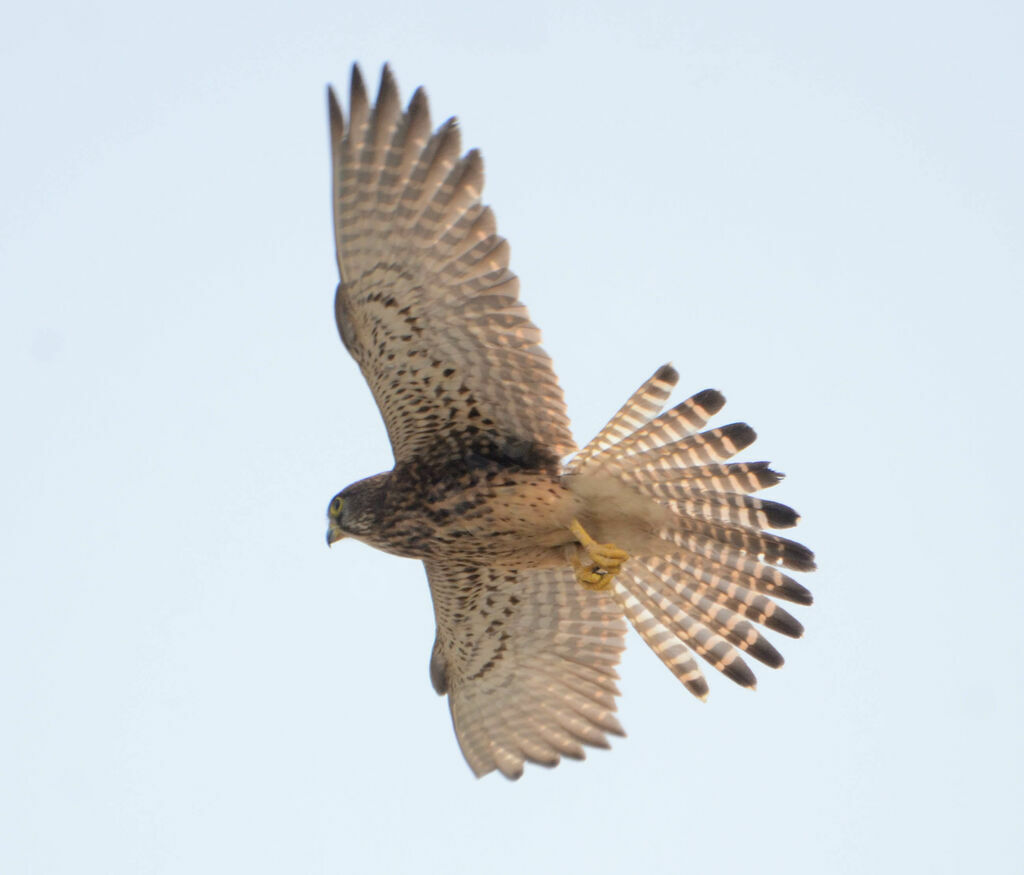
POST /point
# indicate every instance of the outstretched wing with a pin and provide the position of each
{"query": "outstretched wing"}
(427, 304)
(527, 658)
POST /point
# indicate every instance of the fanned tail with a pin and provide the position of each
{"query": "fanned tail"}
(718, 577)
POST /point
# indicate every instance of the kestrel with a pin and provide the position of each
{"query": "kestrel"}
(534, 562)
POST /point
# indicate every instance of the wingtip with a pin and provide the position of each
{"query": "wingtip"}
(388, 86)
(450, 127)
(611, 724)
(337, 119)
(418, 99)
(357, 88)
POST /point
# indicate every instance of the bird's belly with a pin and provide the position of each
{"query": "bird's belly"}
(521, 523)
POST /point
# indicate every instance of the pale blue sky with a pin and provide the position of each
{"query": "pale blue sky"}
(817, 210)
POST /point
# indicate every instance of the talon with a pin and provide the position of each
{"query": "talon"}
(591, 577)
(607, 560)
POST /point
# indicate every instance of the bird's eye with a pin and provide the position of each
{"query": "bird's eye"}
(336, 504)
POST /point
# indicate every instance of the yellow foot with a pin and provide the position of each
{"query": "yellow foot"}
(606, 559)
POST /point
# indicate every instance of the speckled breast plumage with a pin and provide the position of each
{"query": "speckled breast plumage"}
(476, 510)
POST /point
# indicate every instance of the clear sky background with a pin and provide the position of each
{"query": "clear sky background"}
(815, 208)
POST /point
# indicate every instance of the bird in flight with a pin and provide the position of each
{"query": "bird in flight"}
(536, 552)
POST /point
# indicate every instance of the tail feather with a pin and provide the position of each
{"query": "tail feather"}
(730, 625)
(643, 404)
(670, 427)
(743, 575)
(702, 640)
(669, 648)
(714, 445)
(744, 477)
(722, 507)
(722, 542)
(751, 605)
(709, 595)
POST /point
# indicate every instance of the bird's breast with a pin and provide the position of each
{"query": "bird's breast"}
(517, 518)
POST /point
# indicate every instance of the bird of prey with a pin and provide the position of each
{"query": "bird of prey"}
(534, 560)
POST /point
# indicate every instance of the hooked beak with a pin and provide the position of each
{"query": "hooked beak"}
(334, 533)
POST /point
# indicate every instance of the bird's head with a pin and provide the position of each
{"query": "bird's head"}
(354, 511)
(335, 519)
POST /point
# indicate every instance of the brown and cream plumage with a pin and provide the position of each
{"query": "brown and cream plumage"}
(533, 564)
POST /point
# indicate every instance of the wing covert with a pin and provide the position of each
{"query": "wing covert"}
(427, 304)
